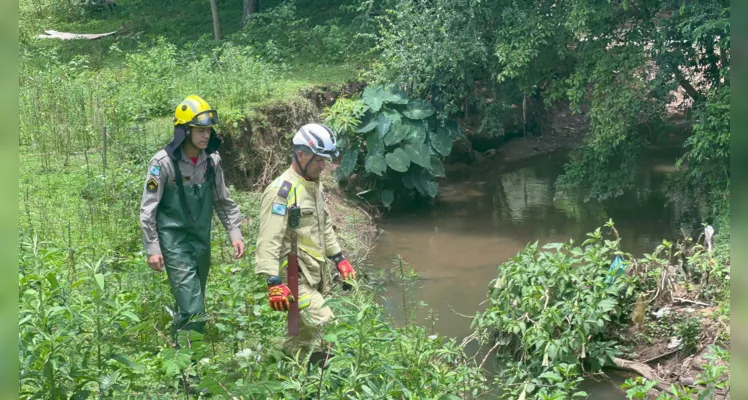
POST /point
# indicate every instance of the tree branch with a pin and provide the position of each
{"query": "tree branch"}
(692, 92)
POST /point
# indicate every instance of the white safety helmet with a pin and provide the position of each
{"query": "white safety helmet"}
(317, 137)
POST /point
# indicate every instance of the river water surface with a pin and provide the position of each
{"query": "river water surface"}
(485, 215)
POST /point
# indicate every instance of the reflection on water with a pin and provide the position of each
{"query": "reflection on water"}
(485, 217)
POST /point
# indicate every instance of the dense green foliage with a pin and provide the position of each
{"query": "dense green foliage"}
(548, 314)
(402, 141)
(559, 312)
(92, 316)
(619, 62)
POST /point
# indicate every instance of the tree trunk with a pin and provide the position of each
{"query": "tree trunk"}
(216, 20)
(250, 7)
(690, 90)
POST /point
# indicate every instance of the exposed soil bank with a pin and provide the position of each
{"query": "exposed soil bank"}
(257, 149)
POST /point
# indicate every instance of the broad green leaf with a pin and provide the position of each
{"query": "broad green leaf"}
(131, 315)
(397, 133)
(550, 375)
(368, 122)
(350, 158)
(374, 144)
(100, 280)
(124, 360)
(373, 97)
(383, 125)
(398, 160)
(392, 115)
(175, 361)
(437, 168)
(376, 163)
(213, 385)
(432, 188)
(419, 154)
(416, 178)
(368, 391)
(608, 304)
(552, 351)
(441, 141)
(222, 327)
(258, 296)
(395, 95)
(425, 182)
(417, 131)
(408, 181)
(419, 109)
(81, 395)
(388, 196)
(53, 280)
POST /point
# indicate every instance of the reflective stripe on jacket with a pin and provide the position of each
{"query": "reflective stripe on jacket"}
(316, 237)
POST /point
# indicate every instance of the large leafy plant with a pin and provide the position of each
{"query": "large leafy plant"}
(550, 314)
(399, 141)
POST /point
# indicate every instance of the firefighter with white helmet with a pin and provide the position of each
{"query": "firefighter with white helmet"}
(299, 189)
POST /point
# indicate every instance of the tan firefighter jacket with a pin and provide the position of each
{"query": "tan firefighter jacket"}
(315, 236)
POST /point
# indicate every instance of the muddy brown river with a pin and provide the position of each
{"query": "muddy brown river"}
(485, 215)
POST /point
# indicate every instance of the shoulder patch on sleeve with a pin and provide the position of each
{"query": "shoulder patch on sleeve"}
(152, 185)
(279, 209)
(155, 170)
(284, 189)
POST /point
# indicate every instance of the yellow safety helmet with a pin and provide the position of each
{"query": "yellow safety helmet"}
(194, 111)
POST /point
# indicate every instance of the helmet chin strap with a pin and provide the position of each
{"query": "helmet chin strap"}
(303, 169)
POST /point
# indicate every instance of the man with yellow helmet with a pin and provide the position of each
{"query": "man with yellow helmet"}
(183, 186)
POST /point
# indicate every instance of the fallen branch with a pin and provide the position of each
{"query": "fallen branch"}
(642, 369)
(454, 311)
(660, 356)
(489, 353)
(678, 299)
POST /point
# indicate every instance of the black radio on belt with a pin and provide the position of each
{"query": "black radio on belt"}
(294, 216)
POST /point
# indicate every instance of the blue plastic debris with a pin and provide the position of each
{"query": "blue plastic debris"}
(617, 268)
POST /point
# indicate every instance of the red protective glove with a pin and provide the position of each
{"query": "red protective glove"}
(346, 270)
(280, 297)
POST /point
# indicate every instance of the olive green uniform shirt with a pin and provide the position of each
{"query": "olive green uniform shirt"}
(161, 172)
(316, 238)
